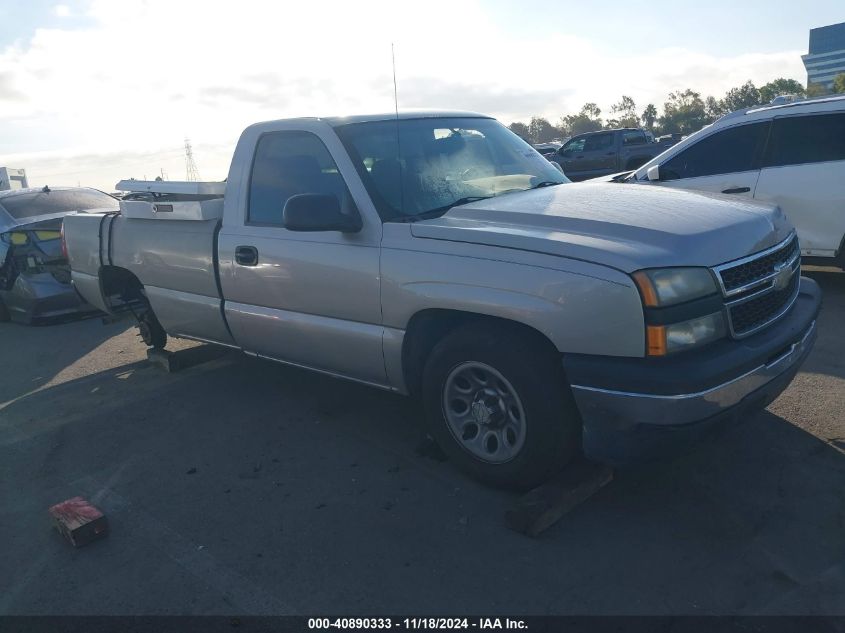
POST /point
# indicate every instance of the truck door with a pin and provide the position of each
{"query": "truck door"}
(600, 153)
(570, 156)
(306, 298)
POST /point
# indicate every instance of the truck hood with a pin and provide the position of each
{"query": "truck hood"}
(627, 227)
(610, 177)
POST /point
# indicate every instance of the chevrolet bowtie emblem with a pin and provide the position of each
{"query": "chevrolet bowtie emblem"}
(783, 275)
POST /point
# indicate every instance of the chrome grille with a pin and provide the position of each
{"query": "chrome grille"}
(761, 288)
(756, 270)
(750, 315)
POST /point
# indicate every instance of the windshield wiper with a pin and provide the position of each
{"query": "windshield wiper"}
(437, 212)
(546, 183)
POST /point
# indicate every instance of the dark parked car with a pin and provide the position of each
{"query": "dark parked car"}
(606, 152)
(34, 272)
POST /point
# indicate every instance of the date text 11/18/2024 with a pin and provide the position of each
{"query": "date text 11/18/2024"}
(430, 623)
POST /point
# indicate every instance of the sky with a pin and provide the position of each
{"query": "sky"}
(93, 91)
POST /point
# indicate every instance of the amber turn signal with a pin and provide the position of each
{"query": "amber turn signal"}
(656, 340)
(646, 289)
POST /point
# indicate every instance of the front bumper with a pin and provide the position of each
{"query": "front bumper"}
(634, 409)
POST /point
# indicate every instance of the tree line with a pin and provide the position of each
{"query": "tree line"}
(684, 111)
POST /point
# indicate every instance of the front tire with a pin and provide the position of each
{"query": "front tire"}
(497, 402)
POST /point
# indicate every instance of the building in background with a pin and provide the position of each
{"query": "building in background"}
(826, 58)
(12, 179)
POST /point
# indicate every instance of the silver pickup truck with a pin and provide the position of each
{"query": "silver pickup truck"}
(440, 256)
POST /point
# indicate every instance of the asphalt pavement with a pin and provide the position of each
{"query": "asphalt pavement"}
(240, 486)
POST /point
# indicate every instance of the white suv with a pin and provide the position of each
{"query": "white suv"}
(792, 155)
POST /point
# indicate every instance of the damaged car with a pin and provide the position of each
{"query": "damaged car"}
(34, 272)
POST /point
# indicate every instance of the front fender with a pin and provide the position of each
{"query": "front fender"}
(578, 312)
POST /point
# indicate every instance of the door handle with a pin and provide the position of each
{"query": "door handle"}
(246, 255)
(610, 153)
(737, 190)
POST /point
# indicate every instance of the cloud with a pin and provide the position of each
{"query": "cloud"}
(62, 11)
(135, 77)
(505, 102)
(103, 169)
(8, 92)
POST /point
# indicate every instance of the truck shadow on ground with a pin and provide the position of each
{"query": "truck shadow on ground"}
(32, 355)
(321, 478)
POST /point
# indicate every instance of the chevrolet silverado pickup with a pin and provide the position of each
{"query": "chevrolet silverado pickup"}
(440, 256)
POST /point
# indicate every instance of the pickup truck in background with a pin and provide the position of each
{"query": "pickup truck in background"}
(440, 256)
(595, 154)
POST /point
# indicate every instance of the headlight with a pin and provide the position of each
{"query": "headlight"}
(667, 339)
(670, 326)
(662, 287)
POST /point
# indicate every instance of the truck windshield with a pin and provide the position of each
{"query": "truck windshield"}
(421, 167)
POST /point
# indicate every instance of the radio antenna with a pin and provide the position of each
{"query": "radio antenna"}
(398, 144)
(395, 92)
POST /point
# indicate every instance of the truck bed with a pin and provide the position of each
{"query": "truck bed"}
(174, 261)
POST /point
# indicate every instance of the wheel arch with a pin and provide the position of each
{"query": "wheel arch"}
(428, 326)
(120, 288)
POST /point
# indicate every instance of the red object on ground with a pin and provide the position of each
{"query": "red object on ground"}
(78, 521)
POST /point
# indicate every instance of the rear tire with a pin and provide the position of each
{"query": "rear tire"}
(497, 403)
(151, 331)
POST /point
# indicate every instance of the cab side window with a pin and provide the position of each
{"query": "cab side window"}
(799, 140)
(573, 146)
(598, 142)
(287, 164)
(633, 138)
(733, 150)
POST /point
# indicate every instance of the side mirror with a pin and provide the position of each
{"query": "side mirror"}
(556, 165)
(318, 212)
(653, 173)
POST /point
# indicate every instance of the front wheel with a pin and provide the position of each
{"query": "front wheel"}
(497, 403)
